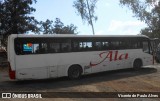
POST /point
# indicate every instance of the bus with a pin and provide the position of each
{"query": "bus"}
(52, 56)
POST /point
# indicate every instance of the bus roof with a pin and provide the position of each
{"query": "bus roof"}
(75, 36)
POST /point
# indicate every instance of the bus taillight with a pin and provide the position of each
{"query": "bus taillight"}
(11, 73)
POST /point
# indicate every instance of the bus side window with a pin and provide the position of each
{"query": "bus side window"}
(105, 45)
(88, 46)
(76, 46)
(43, 49)
(114, 45)
(85, 46)
(54, 48)
(98, 45)
(145, 47)
(18, 48)
(66, 47)
(35, 49)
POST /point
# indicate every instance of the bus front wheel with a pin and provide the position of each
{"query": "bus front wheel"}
(137, 64)
(74, 72)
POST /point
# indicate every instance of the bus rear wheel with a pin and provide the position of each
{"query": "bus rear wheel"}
(74, 72)
(137, 64)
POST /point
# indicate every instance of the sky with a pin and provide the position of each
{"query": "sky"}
(113, 19)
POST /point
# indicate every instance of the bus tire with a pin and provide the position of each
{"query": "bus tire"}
(137, 64)
(74, 72)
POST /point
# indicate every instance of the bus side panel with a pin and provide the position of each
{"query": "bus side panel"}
(78, 58)
(51, 61)
(147, 59)
(31, 67)
(32, 73)
(49, 65)
(110, 60)
(120, 59)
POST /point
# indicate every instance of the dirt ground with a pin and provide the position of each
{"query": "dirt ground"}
(144, 80)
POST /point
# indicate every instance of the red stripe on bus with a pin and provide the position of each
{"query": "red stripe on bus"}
(11, 73)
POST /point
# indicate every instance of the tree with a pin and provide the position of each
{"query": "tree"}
(147, 31)
(86, 9)
(15, 19)
(69, 29)
(147, 11)
(58, 26)
(48, 27)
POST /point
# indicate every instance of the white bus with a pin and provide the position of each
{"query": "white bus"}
(52, 56)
